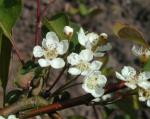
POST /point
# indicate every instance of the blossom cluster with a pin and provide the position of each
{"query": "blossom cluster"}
(136, 80)
(83, 63)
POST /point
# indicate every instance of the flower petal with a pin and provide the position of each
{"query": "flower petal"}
(105, 47)
(52, 36)
(144, 84)
(1, 117)
(37, 51)
(44, 62)
(62, 47)
(148, 103)
(98, 92)
(12, 117)
(142, 99)
(128, 72)
(102, 80)
(74, 71)
(57, 63)
(82, 37)
(73, 59)
(86, 55)
(144, 76)
(119, 76)
(130, 85)
(96, 65)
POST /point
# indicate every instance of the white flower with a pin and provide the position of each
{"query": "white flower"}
(12, 117)
(1, 117)
(141, 51)
(87, 40)
(50, 50)
(144, 96)
(90, 40)
(80, 63)
(68, 30)
(132, 79)
(94, 84)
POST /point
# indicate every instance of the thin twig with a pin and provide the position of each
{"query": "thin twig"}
(95, 112)
(38, 25)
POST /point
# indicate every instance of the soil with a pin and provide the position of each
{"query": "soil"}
(134, 12)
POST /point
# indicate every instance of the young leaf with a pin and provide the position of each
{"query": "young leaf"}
(124, 31)
(147, 65)
(57, 24)
(9, 12)
(5, 53)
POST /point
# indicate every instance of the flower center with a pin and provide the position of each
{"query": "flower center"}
(92, 82)
(83, 66)
(50, 54)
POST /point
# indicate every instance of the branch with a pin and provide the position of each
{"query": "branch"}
(85, 99)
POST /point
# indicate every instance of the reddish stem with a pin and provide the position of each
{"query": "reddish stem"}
(38, 25)
(85, 99)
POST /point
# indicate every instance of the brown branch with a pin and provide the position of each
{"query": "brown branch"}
(85, 99)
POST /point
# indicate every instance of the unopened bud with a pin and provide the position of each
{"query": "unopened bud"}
(104, 36)
(68, 31)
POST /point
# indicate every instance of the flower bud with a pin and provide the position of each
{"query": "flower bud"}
(104, 36)
(68, 31)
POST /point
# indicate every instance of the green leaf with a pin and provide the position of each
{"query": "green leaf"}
(124, 31)
(75, 46)
(5, 54)
(57, 24)
(76, 117)
(13, 96)
(147, 65)
(9, 12)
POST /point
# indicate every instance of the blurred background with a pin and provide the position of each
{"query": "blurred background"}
(93, 15)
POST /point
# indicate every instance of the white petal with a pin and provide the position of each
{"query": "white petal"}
(84, 73)
(102, 80)
(144, 76)
(86, 55)
(44, 43)
(99, 91)
(93, 38)
(74, 71)
(144, 84)
(130, 85)
(86, 89)
(1, 117)
(119, 76)
(62, 47)
(96, 100)
(73, 59)
(142, 99)
(12, 117)
(37, 51)
(96, 65)
(44, 62)
(98, 54)
(57, 63)
(105, 47)
(128, 72)
(52, 36)
(148, 103)
(82, 37)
